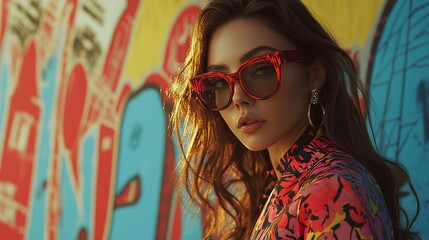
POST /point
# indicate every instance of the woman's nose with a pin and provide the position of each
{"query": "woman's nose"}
(240, 97)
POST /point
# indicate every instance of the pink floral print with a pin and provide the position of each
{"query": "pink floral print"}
(323, 193)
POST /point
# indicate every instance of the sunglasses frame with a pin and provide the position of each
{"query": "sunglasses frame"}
(276, 58)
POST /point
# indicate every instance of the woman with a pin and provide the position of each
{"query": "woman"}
(277, 148)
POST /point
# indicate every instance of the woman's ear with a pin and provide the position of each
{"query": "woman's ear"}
(318, 73)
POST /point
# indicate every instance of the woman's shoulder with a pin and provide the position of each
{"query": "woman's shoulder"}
(333, 161)
(336, 166)
(339, 173)
(339, 191)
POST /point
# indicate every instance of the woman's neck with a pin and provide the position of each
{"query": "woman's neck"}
(279, 149)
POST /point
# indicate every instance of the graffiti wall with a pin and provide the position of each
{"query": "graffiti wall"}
(84, 150)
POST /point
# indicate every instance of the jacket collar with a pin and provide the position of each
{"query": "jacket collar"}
(296, 160)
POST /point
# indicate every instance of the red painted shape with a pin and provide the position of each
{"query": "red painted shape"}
(71, 6)
(4, 5)
(74, 105)
(166, 189)
(95, 103)
(53, 210)
(179, 42)
(118, 46)
(126, 90)
(157, 80)
(107, 160)
(18, 157)
(362, 106)
(83, 234)
(130, 194)
(74, 7)
(76, 91)
(354, 56)
(105, 179)
(176, 228)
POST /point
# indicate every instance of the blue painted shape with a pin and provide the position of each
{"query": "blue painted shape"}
(89, 154)
(191, 221)
(48, 95)
(71, 219)
(4, 75)
(141, 152)
(401, 65)
(191, 217)
(4, 78)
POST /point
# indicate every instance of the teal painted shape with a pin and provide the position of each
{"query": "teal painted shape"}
(141, 153)
(399, 97)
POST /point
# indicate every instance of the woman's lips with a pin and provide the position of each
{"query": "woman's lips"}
(249, 124)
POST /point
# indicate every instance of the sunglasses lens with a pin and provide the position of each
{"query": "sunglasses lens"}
(260, 79)
(214, 92)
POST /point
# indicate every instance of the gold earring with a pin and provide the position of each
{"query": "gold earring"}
(315, 97)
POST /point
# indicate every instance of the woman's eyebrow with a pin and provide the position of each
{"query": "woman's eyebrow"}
(255, 51)
(243, 58)
(216, 67)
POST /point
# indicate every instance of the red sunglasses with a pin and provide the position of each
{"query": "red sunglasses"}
(259, 77)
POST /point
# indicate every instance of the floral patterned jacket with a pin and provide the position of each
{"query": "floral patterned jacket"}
(323, 193)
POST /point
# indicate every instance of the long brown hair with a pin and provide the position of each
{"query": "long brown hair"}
(221, 176)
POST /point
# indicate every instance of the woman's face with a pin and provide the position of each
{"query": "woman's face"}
(275, 123)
